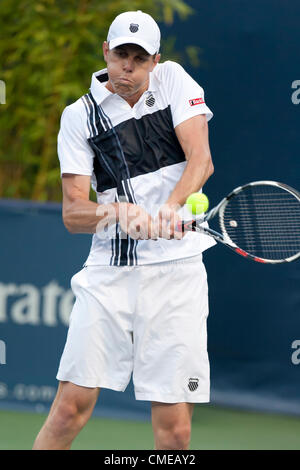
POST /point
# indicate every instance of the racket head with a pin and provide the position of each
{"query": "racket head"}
(262, 219)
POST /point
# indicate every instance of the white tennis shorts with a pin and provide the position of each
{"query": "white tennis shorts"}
(147, 320)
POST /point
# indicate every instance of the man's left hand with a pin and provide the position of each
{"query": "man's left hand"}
(167, 221)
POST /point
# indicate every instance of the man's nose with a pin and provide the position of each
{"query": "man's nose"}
(128, 64)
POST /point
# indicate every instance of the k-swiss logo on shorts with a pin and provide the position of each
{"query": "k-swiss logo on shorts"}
(196, 101)
(150, 100)
(193, 384)
(134, 27)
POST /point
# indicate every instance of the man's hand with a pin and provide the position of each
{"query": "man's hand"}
(136, 222)
(167, 221)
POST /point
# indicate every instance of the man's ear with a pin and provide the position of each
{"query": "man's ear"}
(157, 58)
(105, 49)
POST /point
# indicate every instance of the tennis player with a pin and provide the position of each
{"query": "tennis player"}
(140, 138)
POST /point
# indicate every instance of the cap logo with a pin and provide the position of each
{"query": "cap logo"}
(134, 27)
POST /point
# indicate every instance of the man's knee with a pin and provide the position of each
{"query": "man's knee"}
(65, 418)
(176, 437)
(71, 412)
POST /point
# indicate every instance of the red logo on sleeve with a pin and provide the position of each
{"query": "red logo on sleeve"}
(196, 101)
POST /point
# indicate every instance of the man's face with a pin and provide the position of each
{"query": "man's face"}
(128, 68)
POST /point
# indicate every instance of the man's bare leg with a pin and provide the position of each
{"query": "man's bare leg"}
(70, 411)
(172, 425)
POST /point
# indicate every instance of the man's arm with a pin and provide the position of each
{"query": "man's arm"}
(80, 215)
(193, 138)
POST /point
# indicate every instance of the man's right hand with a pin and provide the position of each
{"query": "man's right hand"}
(136, 222)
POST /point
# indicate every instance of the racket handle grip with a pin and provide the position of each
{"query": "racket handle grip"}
(179, 226)
(184, 226)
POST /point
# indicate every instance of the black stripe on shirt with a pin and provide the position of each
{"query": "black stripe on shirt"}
(148, 144)
(117, 170)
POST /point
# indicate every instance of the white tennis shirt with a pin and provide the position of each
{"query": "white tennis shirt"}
(133, 154)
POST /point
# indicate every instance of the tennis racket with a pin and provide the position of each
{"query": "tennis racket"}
(260, 221)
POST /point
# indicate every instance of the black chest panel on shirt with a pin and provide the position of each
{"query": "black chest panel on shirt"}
(134, 147)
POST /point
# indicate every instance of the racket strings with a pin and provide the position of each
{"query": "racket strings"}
(264, 221)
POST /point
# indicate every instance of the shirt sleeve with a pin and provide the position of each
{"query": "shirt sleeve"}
(186, 96)
(74, 152)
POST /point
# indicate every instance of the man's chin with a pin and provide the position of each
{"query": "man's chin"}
(125, 90)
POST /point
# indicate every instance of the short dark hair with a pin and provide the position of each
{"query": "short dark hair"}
(144, 50)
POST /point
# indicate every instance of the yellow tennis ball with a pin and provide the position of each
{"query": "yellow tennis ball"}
(197, 203)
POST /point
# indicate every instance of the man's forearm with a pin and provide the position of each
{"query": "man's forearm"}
(88, 216)
(193, 178)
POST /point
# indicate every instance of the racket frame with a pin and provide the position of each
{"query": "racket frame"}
(195, 225)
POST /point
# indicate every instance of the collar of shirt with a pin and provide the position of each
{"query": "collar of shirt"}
(100, 92)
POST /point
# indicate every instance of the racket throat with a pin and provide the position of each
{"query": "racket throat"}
(217, 236)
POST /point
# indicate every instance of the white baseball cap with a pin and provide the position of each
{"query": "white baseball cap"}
(134, 27)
